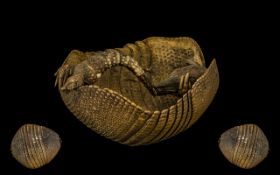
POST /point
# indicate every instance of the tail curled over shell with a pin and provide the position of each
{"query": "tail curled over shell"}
(142, 93)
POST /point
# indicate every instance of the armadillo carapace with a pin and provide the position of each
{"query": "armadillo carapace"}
(142, 93)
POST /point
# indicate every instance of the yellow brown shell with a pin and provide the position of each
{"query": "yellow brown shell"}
(244, 146)
(119, 106)
(34, 146)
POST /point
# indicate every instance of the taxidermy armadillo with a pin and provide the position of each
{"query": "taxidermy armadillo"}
(142, 93)
(244, 146)
(35, 146)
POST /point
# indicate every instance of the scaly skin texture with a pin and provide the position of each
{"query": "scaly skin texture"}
(142, 93)
(244, 146)
(35, 146)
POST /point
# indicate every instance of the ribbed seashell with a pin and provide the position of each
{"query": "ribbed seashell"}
(123, 94)
(244, 146)
(34, 146)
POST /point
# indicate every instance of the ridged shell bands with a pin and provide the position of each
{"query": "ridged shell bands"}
(34, 146)
(116, 92)
(245, 146)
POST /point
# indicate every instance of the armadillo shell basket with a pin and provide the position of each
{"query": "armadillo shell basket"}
(119, 106)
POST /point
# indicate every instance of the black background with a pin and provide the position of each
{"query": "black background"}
(35, 42)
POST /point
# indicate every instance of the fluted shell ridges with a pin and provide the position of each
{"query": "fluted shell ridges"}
(244, 146)
(34, 146)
